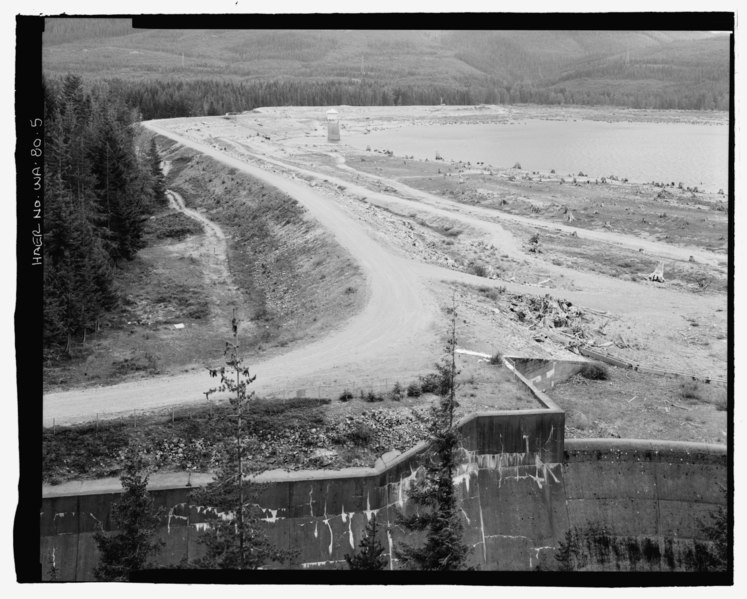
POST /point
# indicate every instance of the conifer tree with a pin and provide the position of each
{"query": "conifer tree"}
(437, 512)
(135, 518)
(371, 554)
(236, 539)
(158, 182)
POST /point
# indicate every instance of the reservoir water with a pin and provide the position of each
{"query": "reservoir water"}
(694, 154)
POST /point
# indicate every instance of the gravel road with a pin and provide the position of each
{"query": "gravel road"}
(400, 323)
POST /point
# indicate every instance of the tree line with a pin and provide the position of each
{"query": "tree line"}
(156, 99)
(98, 190)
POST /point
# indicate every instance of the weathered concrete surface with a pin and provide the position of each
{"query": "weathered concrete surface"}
(545, 374)
(510, 459)
(645, 492)
(521, 487)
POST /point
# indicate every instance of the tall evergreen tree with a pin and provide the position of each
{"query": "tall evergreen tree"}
(135, 518)
(158, 182)
(437, 512)
(236, 539)
(98, 192)
(77, 275)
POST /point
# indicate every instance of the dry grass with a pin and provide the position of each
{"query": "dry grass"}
(643, 406)
(294, 282)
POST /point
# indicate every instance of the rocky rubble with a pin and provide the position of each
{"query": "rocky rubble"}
(286, 442)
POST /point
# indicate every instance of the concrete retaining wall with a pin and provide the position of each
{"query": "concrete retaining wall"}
(521, 488)
(509, 459)
(651, 497)
(545, 374)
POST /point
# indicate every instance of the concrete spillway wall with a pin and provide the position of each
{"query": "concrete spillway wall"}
(518, 501)
(521, 488)
(654, 495)
(509, 459)
(545, 374)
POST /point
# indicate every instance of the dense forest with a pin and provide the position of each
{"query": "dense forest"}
(99, 189)
(156, 99)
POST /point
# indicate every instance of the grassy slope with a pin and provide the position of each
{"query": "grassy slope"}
(294, 282)
(643, 406)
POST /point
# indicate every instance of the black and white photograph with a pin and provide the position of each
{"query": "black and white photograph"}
(425, 298)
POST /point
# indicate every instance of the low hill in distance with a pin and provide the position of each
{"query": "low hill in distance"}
(672, 69)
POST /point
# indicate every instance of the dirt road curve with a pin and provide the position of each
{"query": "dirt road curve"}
(213, 248)
(399, 315)
(656, 248)
(399, 325)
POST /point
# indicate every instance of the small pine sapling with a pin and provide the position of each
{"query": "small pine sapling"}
(371, 553)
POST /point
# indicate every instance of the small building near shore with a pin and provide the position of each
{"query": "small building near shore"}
(333, 125)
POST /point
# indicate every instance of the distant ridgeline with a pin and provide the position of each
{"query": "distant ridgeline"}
(179, 73)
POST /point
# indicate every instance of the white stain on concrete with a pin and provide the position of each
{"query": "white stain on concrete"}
(465, 472)
(513, 466)
(326, 521)
(225, 516)
(469, 352)
(351, 538)
(322, 564)
(482, 532)
(272, 518)
(171, 515)
(101, 526)
(391, 547)
(537, 554)
(549, 437)
(369, 512)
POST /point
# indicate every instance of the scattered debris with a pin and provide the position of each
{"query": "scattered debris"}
(534, 244)
(658, 274)
(549, 313)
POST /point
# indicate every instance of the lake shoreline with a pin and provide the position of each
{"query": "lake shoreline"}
(640, 146)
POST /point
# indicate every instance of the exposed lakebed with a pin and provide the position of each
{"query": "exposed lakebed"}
(693, 153)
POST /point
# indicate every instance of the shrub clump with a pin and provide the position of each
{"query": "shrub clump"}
(346, 395)
(414, 390)
(690, 390)
(595, 371)
(372, 397)
(360, 435)
(496, 359)
(479, 270)
(430, 383)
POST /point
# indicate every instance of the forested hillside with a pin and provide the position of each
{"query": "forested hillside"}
(166, 73)
(99, 190)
